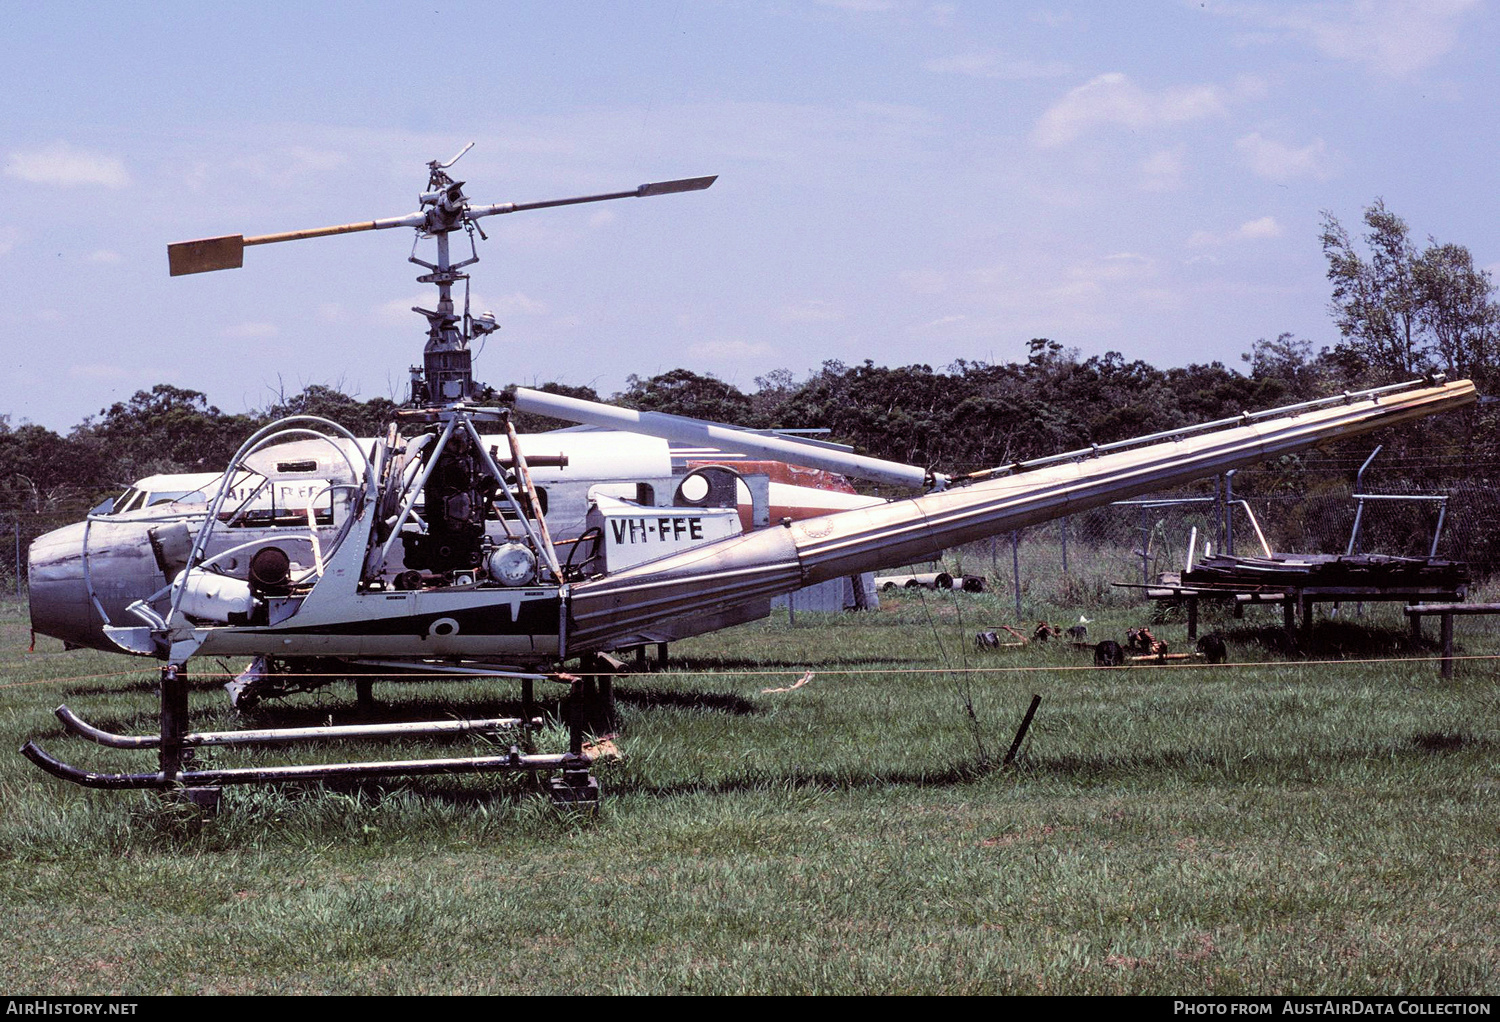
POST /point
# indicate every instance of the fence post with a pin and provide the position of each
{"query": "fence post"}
(1219, 518)
(1145, 549)
(1229, 512)
(1063, 524)
(1015, 568)
(18, 557)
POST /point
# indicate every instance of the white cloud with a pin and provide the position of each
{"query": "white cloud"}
(105, 256)
(1279, 161)
(1262, 227)
(924, 282)
(250, 330)
(1395, 38)
(729, 349)
(812, 311)
(96, 371)
(1258, 229)
(1114, 100)
(943, 321)
(1085, 295)
(1162, 171)
(993, 65)
(289, 166)
(1055, 19)
(513, 304)
(61, 164)
(1117, 266)
(397, 312)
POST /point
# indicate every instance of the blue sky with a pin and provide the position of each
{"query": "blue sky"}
(900, 180)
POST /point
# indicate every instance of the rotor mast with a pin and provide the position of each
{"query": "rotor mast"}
(447, 372)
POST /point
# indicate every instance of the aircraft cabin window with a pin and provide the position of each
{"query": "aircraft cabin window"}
(280, 506)
(171, 496)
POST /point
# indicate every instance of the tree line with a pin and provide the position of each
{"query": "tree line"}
(1401, 311)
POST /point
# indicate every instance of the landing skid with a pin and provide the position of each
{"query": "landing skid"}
(570, 782)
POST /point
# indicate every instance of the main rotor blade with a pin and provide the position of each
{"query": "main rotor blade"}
(687, 184)
(228, 252)
(205, 254)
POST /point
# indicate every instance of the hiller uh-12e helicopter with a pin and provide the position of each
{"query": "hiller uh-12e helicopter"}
(434, 554)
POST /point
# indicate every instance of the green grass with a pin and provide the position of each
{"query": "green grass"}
(1284, 827)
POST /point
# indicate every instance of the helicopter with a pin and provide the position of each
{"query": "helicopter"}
(429, 550)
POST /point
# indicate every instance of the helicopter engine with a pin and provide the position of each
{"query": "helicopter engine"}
(458, 497)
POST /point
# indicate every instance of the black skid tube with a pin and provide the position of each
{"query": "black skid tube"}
(514, 760)
(78, 726)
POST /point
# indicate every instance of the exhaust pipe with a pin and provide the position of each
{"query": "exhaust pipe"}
(709, 579)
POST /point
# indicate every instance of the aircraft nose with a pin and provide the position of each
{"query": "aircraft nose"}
(60, 606)
(122, 569)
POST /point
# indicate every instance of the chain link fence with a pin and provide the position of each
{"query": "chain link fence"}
(1073, 562)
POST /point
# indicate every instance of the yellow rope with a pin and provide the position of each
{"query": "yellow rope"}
(849, 671)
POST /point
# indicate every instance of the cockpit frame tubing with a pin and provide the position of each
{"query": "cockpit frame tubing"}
(414, 490)
(265, 435)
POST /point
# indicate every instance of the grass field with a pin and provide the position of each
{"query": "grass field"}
(1282, 827)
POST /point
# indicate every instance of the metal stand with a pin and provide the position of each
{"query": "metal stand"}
(576, 787)
(595, 696)
(1446, 613)
(174, 753)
